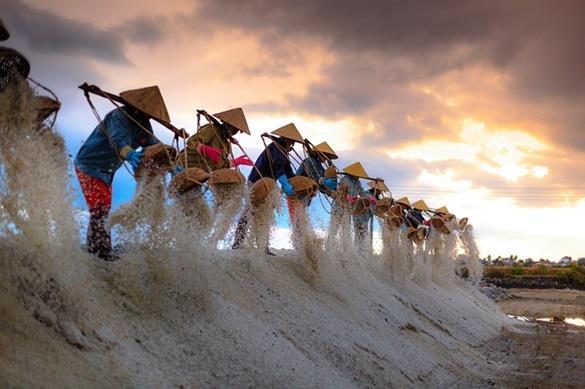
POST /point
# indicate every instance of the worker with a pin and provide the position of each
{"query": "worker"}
(210, 147)
(340, 208)
(115, 140)
(274, 163)
(377, 191)
(312, 167)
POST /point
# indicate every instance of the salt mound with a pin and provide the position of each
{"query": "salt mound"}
(176, 312)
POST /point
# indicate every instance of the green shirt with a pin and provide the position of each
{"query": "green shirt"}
(210, 135)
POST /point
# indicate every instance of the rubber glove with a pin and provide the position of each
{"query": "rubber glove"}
(135, 158)
(242, 160)
(287, 188)
(330, 183)
(176, 170)
(213, 154)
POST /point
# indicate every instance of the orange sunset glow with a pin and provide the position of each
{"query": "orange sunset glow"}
(478, 106)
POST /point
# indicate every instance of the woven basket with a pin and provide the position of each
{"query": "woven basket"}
(45, 106)
(383, 206)
(12, 63)
(420, 235)
(411, 232)
(187, 179)
(439, 224)
(226, 177)
(360, 206)
(303, 186)
(463, 223)
(260, 190)
(396, 210)
(340, 194)
(330, 172)
(158, 159)
(393, 222)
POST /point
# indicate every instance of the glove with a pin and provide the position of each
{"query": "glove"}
(176, 170)
(287, 188)
(135, 158)
(330, 183)
(213, 154)
(242, 160)
(372, 200)
(350, 198)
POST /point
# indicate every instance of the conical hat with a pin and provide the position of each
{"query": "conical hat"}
(148, 100)
(4, 34)
(420, 205)
(356, 169)
(404, 201)
(289, 132)
(326, 149)
(378, 185)
(443, 209)
(235, 117)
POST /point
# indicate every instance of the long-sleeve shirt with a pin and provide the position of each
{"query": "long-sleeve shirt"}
(273, 162)
(99, 156)
(209, 135)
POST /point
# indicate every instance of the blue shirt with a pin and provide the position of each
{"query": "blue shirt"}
(280, 164)
(99, 156)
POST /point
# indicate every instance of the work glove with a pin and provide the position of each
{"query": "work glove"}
(135, 158)
(176, 170)
(287, 188)
(330, 183)
(213, 154)
(243, 160)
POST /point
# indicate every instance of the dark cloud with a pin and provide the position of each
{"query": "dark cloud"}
(142, 30)
(382, 47)
(48, 32)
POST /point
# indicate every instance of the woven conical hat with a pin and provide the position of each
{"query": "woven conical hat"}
(235, 117)
(378, 185)
(420, 205)
(4, 34)
(404, 201)
(148, 100)
(326, 149)
(289, 132)
(443, 209)
(356, 169)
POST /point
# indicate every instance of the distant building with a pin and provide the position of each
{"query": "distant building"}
(565, 261)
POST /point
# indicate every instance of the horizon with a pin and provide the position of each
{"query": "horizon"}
(476, 107)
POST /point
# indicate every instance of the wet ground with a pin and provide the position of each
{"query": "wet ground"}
(549, 354)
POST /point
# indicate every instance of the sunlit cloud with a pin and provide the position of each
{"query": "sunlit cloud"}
(501, 152)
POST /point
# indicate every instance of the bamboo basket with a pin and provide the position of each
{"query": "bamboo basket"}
(330, 172)
(158, 159)
(260, 190)
(393, 222)
(226, 177)
(360, 206)
(303, 186)
(383, 206)
(187, 180)
(439, 224)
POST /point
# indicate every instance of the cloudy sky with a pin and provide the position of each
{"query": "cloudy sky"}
(477, 105)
